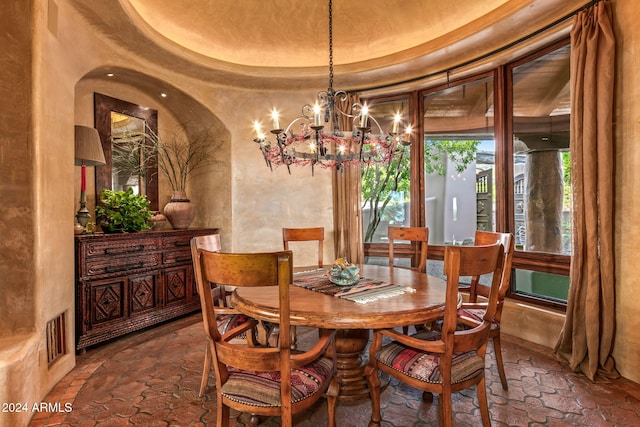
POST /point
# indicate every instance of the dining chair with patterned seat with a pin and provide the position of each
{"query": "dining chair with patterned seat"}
(263, 381)
(226, 317)
(446, 361)
(419, 239)
(308, 234)
(476, 306)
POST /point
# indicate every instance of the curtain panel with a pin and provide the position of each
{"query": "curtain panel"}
(586, 340)
(347, 201)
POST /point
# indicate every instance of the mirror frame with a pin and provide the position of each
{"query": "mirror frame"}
(103, 106)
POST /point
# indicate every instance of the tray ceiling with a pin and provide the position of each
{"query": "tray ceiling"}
(285, 42)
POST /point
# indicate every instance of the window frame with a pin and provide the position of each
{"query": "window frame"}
(504, 181)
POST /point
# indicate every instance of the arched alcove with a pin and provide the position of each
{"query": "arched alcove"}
(209, 187)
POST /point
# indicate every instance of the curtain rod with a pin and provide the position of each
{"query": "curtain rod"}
(486, 55)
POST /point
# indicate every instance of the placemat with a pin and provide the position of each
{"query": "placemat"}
(366, 290)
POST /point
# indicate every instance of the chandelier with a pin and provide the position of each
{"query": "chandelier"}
(315, 138)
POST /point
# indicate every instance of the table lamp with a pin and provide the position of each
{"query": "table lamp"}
(88, 153)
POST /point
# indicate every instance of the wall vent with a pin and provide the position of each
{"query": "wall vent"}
(56, 342)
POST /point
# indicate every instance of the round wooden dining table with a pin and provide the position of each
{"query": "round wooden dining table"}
(353, 321)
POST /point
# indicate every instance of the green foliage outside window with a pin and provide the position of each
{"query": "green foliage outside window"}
(566, 170)
(437, 151)
(380, 183)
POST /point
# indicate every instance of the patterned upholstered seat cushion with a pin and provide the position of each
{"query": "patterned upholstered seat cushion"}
(227, 322)
(475, 314)
(426, 366)
(263, 388)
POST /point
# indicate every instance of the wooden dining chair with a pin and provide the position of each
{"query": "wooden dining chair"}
(475, 308)
(309, 234)
(443, 361)
(262, 381)
(226, 317)
(419, 238)
(305, 235)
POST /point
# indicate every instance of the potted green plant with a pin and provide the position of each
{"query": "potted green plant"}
(123, 212)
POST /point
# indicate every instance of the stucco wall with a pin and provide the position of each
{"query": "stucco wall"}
(266, 201)
(37, 163)
(16, 147)
(247, 201)
(627, 227)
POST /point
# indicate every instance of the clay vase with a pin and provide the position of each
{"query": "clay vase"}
(180, 211)
(158, 221)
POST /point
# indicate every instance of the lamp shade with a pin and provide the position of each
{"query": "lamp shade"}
(88, 147)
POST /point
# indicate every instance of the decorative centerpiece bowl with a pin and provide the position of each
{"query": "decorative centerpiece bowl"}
(344, 273)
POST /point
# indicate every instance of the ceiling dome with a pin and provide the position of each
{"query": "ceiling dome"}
(294, 33)
(285, 42)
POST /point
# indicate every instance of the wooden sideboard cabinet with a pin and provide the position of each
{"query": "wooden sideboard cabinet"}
(126, 282)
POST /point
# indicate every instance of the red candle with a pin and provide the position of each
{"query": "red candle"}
(83, 178)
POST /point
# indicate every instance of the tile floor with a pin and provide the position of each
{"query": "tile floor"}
(151, 378)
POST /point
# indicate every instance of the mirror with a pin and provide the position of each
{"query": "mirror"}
(128, 158)
(122, 127)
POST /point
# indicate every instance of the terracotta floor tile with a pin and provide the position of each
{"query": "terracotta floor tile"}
(151, 378)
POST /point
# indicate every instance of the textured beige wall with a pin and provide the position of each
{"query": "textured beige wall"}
(627, 228)
(539, 325)
(247, 201)
(17, 224)
(38, 150)
(266, 201)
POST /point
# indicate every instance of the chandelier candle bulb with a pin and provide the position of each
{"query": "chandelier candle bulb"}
(364, 116)
(256, 127)
(396, 124)
(316, 115)
(407, 133)
(276, 120)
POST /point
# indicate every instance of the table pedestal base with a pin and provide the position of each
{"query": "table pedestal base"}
(350, 349)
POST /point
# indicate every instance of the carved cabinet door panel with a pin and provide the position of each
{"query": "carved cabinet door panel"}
(144, 292)
(107, 301)
(177, 284)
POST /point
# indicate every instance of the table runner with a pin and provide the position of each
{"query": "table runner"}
(362, 292)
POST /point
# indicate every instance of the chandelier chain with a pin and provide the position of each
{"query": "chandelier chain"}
(330, 45)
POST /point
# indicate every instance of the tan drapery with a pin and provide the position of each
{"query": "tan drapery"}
(347, 205)
(586, 340)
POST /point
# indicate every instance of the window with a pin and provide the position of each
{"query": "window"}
(459, 161)
(541, 114)
(541, 166)
(494, 155)
(386, 188)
